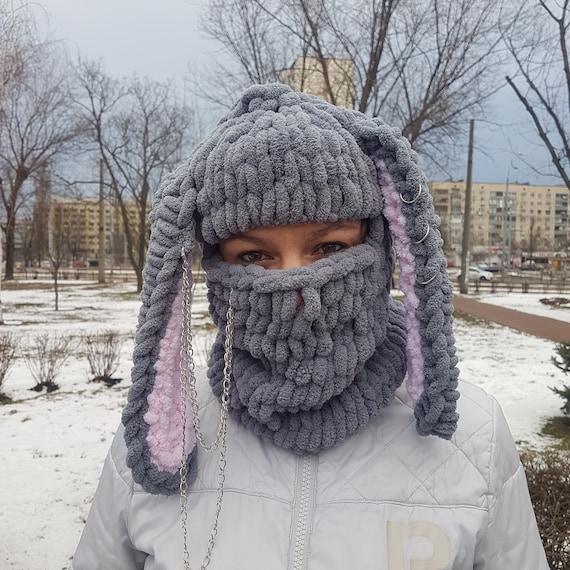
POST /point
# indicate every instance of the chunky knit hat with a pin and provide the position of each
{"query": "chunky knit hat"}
(281, 157)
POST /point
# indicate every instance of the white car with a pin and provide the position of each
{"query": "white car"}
(477, 274)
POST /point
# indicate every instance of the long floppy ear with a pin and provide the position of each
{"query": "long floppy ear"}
(431, 359)
(408, 207)
(152, 417)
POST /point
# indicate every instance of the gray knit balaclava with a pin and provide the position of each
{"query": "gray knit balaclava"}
(303, 376)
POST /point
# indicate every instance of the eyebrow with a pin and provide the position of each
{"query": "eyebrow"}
(341, 224)
(244, 237)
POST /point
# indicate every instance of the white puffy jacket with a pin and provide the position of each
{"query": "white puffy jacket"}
(385, 499)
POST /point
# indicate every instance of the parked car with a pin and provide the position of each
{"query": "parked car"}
(493, 267)
(530, 265)
(477, 274)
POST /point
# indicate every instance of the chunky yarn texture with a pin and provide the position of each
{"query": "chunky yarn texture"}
(307, 376)
(281, 157)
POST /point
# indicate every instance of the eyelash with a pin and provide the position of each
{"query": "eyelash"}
(338, 246)
(242, 256)
(320, 249)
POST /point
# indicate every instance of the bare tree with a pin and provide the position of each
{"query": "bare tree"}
(540, 50)
(24, 236)
(357, 31)
(14, 26)
(36, 124)
(251, 36)
(40, 217)
(59, 249)
(530, 243)
(265, 38)
(426, 66)
(17, 42)
(141, 130)
(446, 56)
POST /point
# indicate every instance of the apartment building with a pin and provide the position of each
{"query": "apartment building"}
(306, 75)
(519, 218)
(79, 221)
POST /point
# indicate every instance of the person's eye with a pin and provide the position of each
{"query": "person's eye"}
(330, 247)
(250, 257)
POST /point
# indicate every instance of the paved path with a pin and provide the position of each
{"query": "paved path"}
(550, 329)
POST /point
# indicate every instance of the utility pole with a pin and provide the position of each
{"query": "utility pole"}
(507, 237)
(506, 228)
(101, 236)
(464, 282)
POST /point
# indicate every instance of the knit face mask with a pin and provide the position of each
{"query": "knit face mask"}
(306, 376)
(308, 372)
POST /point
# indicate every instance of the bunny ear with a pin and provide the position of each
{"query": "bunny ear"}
(152, 417)
(431, 359)
(408, 207)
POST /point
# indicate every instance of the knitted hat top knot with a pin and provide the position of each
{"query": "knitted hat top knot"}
(277, 164)
(281, 157)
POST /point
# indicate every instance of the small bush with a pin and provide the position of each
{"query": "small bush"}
(548, 476)
(7, 355)
(555, 302)
(562, 363)
(563, 351)
(564, 393)
(103, 352)
(46, 355)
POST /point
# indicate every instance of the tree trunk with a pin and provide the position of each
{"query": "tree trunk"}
(22, 173)
(10, 243)
(56, 288)
(138, 271)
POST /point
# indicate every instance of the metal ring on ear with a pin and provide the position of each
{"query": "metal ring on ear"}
(425, 236)
(428, 281)
(415, 198)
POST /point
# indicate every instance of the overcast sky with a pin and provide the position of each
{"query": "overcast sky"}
(160, 39)
(157, 38)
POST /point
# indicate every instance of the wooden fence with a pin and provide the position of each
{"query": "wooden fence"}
(523, 282)
(554, 283)
(68, 274)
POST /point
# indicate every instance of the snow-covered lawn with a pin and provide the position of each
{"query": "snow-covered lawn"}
(529, 303)
(53, 445)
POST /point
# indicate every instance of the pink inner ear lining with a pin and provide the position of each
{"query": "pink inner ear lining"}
(163, 416)
(397, 223)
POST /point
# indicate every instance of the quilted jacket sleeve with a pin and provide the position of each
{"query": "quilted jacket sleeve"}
(512, 539)
(105, 543)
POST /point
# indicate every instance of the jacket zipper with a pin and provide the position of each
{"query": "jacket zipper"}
(303, 510)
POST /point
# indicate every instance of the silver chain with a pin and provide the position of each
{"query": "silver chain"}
(188, 386)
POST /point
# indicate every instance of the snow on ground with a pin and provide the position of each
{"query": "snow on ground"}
(529, 303)
(54, 444)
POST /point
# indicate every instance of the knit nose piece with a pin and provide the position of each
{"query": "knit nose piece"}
(312, 301)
